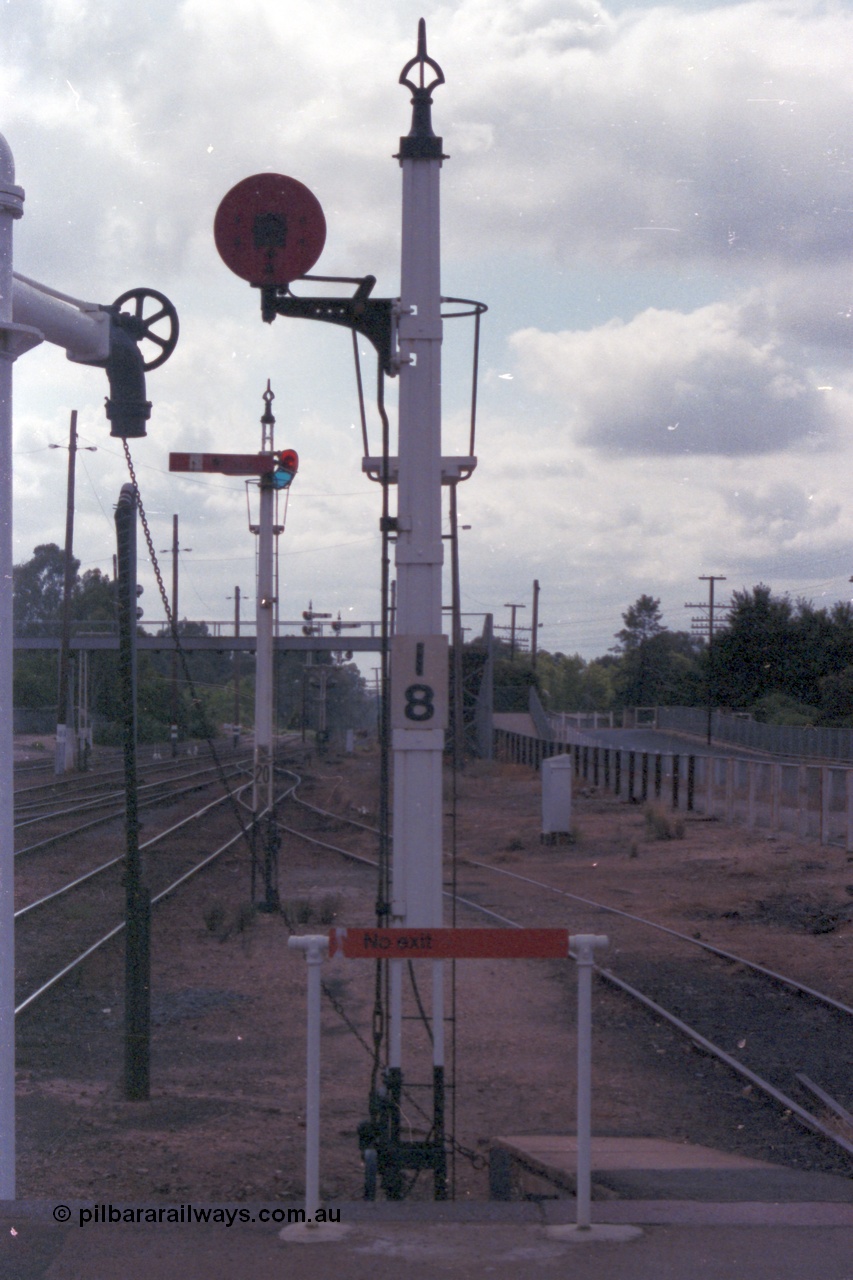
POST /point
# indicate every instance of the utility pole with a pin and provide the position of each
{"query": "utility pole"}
(535, 626)
(710, 579)
(64, 755)
(175, 549)
(514, 608)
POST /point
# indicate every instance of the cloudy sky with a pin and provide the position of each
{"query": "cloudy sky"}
(654, 201)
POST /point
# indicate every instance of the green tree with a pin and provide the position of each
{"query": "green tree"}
(656, 666)
(38, 587)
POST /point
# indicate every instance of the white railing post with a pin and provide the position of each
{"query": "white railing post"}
(581, 947)
(315, 947)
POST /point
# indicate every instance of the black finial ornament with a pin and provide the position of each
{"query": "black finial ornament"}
(421, 144)
(269, 395)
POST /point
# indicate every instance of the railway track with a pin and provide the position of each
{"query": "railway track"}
(72, 907)
(783, 1037)
(673, 977)
(53, 829)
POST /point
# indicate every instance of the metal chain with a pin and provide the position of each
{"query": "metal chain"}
(173, 628)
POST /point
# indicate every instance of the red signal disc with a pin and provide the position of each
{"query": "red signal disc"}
(269, 229)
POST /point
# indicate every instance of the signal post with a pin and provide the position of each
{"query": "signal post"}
(419, 654)
(275, 471)
(270, 230)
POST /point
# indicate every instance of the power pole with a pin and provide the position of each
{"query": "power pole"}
(699, 623)
(64, 756)
(175, 550)
(514, 608)
(535, 625)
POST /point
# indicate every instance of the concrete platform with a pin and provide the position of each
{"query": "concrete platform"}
(652, 1169)
(682, 1241)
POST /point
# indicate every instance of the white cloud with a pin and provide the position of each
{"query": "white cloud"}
(656, 145)
(711, 381)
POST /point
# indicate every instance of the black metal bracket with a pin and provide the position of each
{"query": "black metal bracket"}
(386, 1155)
(373, 318)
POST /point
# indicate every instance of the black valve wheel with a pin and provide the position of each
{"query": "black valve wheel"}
(153, 319)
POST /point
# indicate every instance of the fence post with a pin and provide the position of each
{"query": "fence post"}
(730, 790)
(775, 796)
(803, 801)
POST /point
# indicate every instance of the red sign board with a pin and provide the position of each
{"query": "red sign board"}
(269, 229)
(450, 944)
(226, 464)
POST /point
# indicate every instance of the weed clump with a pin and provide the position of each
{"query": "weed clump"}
(661, 826)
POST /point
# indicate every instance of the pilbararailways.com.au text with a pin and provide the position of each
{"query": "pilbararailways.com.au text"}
(190, 1214)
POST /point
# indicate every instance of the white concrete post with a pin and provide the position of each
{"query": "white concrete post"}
(775, 797)
(752, 793)
(710, 769)
(803, 801)
(730, 790)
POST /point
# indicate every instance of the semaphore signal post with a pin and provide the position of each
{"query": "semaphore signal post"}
(270, 230)
(275, 472)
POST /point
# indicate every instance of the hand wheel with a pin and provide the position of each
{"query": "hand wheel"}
(141, 326)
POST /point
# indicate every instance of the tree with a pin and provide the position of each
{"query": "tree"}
(642, 623)
(657, 666)
(38, 586)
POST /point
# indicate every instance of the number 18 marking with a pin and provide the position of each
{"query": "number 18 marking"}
(420, 704)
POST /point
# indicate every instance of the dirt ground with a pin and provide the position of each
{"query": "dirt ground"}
(225, 1119)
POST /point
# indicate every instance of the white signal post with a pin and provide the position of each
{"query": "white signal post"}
(262, 792)
(419, 654)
